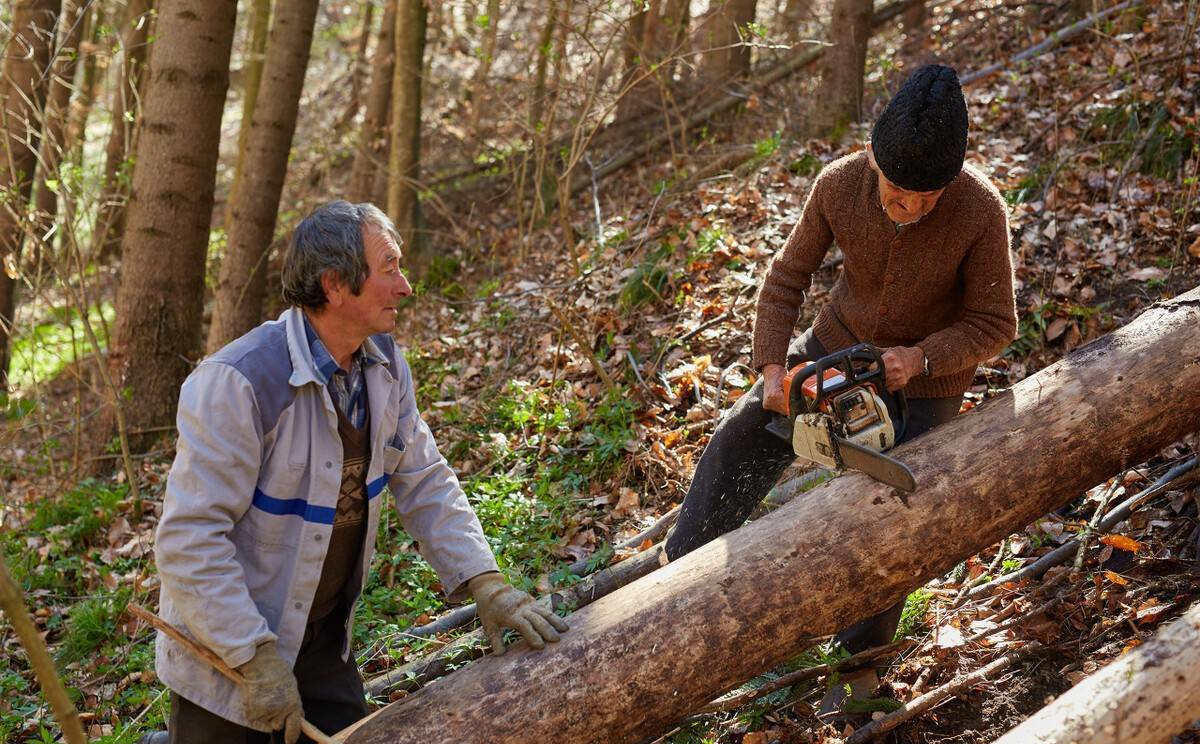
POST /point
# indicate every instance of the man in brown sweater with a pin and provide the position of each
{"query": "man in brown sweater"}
(926, 277)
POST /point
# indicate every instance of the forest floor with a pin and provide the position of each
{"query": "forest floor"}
(574, 397)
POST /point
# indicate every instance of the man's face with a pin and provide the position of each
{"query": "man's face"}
(901, 205)
(373, 309)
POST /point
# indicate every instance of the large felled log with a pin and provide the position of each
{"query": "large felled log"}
(652, 652)
(1144, 697)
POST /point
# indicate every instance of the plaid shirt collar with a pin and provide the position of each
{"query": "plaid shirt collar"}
(347, 388)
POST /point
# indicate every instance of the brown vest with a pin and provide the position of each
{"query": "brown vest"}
(345, 544)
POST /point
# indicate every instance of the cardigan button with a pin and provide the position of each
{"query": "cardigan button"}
(882, 312)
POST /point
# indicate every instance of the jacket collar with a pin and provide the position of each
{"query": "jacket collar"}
(305, 368)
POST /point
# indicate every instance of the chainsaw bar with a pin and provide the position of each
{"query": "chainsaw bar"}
(875, 464)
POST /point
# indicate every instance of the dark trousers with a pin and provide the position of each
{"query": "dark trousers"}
(330, 688)
(743, 461)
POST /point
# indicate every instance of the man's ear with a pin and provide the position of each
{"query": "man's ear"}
(871, 158)
(335, 289)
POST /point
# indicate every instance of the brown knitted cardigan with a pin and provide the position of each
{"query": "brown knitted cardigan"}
(944, 284)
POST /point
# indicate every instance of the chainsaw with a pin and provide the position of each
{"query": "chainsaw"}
(841, 415)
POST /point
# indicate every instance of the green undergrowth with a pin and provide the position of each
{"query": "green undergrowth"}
(40, 353)
(59, 560)
(536, 452)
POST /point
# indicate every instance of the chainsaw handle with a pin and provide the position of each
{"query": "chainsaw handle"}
(842, 361)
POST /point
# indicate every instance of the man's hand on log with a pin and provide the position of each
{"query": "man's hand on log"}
(774, 398)
(501, 606)
(901, 364)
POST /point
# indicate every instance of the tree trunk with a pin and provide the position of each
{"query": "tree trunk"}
(114, 186)
(404, 158)
(260, 21)
(838, 100)
(23, 83)
(914, 19)
(730, 55)
(372, 138)
(160, 297)
(655, 35)
(537, 101)
(255, 204)
(649, 654)
(1144, 697)
(486, 54)
(55, 144)
(81, 108)
(360, 65)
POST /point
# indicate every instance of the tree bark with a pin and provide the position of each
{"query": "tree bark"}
(486, 54)
(1144, 697)
(404, 157)
(360, 64)
(730, 56)
(545, 41)
(160, 297)
(54, 146)
(838, 100)
(649, 654)
(372, 138)
(260, 22)
(81, 108)
(242, 282)
(114, 186)
(23, 83)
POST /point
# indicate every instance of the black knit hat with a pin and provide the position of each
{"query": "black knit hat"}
(920, 140)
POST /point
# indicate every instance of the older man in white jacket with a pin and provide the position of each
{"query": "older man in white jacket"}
(287, 436)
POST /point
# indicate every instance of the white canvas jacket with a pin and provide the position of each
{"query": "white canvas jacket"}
(252, 493)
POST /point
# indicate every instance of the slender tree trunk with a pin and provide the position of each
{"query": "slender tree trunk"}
(838, 100)
(404, 160)
(160, 297)
(545, 40)
(647, 655)
(655, 36)
(1145, 696)
(114, 189)
(23, 82)
(360, 64)
(914, 18)
(795, 14)
(255, 205)
(486, 54)
(85, 98)
(260, 19)
(55, 133)
(372, 138)
(730, 57)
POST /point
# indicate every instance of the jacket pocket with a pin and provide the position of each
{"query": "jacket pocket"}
(392, 455)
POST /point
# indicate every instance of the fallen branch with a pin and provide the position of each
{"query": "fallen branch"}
(13, 605)
(461, 616)
(919, 705)
(1012, 621)
(422, 670)
(850, 663)
(1144, 697)
(1049, 42)
(1034, 570)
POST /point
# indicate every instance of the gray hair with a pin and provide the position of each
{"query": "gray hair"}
(330, 239)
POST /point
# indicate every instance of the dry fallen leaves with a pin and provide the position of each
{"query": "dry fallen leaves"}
(1121, 542)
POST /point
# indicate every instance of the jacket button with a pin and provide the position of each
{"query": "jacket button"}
(328, 464)
(317, 538)
(298, 605)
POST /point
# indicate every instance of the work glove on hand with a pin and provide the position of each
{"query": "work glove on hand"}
(500, 606)
(270, 697)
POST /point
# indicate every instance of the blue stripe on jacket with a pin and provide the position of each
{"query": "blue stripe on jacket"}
(301, 508)
(297, 507)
